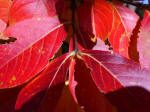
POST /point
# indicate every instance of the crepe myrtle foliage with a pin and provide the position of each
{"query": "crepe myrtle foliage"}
(74, 56)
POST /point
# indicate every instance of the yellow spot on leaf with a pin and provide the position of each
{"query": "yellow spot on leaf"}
(39, 51)
(1, 83)
(12, 79)
(128, 34)
(78, 56)
(39, 19)
(122, 49)
(56, 17)
(43, 51)
(121, 39)
(2, 34)
(93, 39)
(67, 82)
(5, 49)
(124, 35)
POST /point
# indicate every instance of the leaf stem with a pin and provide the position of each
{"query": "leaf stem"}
(73, 7)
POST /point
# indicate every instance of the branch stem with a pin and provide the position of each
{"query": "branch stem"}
(73, 7)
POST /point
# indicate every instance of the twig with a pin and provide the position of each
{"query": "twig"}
(73, 7)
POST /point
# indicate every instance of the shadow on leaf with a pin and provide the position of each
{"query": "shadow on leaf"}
(44, 101)
(130, 99)
(8, 99)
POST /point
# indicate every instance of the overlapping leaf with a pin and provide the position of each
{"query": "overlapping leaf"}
(93, 74)
(106, 20)
(4, 9)
(37, 42)
(4, 14)
(109, 67)
(94, 20)
(144, 42)
(124, 21)
(66, 102)
(99, 45)
(51, 80)
(110, 72)
(25, 9)
(2, 25)
(97, 16)
(84, 90)
(8, 99)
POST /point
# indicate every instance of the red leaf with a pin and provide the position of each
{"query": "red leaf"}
(84, 90)
(8, 99)
(53, 76)
(133, 51)
(25, 9)
(93, 22)
(105, 20)
(107, 66)
(144, 42)
(124, 21)
(37, 42)
(2, 26)
(100, 45)
(4, 9)
(82, 43)
(67, 103)
(95, 19)
(112, 72)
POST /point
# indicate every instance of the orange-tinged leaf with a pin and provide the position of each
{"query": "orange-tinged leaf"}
(37, 42)
(101, 19)
(144, 42)
(4, 9)
(52, 77)
(95, 19)
(124, 21)
(2, 26)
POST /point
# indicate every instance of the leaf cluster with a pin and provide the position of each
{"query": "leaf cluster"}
(74, 56)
